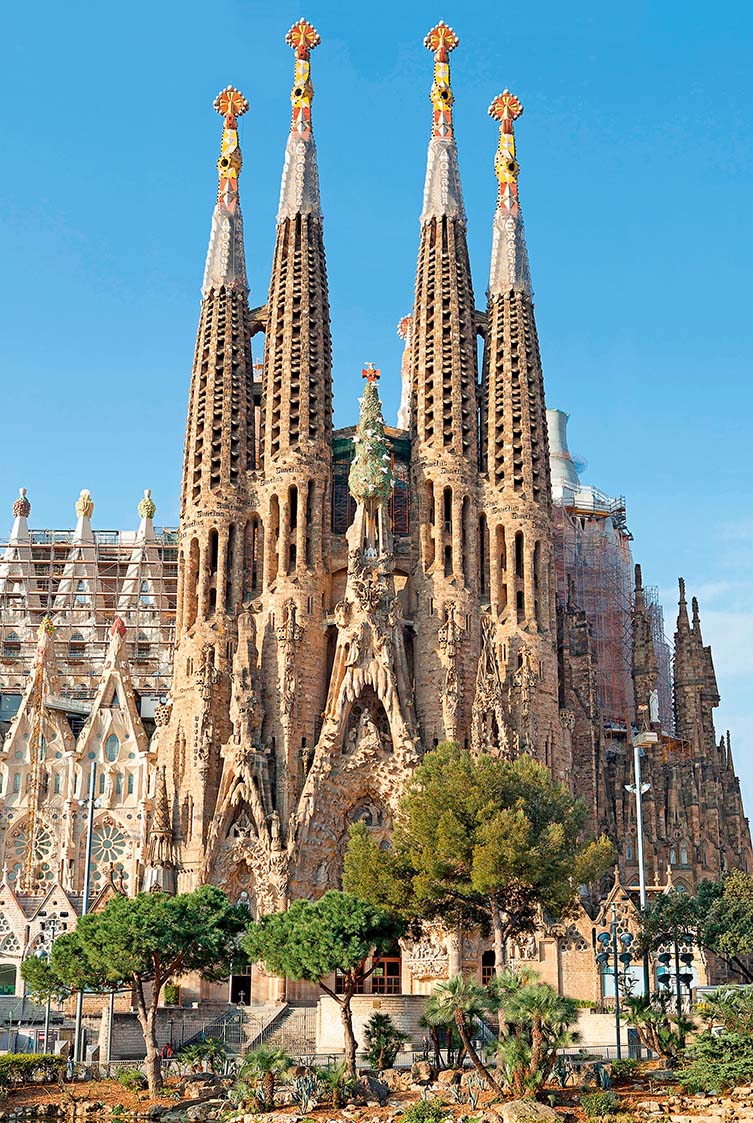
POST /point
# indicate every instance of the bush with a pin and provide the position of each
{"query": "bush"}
(383, 1041)
(718, 1062)
(623, 1069)
(423, 1111)
(598, 1104)
(132, 1079)
(335, 1085)
(30, 1068)
(171, 994)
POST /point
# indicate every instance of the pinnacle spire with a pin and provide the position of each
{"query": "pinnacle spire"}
(370, 477)
(226, 259)
(443, 194)
(299, 191)
(509, 265)
(683, 624)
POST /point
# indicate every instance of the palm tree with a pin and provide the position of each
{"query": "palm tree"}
(534, 1023)
(458, 1001)
(262, 1068)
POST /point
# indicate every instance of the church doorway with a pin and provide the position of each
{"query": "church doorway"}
(240, 984)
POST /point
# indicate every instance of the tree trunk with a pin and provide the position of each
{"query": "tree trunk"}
(434, 1033)
(148, 1022)
(498, 937)
(537, 1052)
(477, 1062)
(269, 1090)
(346, 1017)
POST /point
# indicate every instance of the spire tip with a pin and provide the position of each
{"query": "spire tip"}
(303, 38)
(22, 506)
(230, 103)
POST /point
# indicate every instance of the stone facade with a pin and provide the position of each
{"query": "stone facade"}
(342, 602)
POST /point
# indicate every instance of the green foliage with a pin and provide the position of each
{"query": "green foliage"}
(479, 839)
(729, 1007)
(657, 1027)
(598, 1104)
(30, 1068)
(624, 1068)
(303, 1090)
(260, 1071)
(335, 1084)
(424, 1111)
(383, 1041)
(718, 1062)
(370, 476)
(460, 1001)
(150, 936)
(312, 939)
(42, 984)
(171, 994)
(209, 1049)
(132, 1079)
(534, 1023)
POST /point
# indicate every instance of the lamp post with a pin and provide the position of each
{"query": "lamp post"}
(609, 942)
(638, 789)
(85, 902)
(49, 928)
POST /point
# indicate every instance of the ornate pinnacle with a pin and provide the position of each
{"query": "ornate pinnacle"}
(440, 41)
(147, 508)
(506, 109)
(22, 506)
(230, 104)
(117, 628)
(85, 504)
(303, 38)
(371, 373)
(370, 477)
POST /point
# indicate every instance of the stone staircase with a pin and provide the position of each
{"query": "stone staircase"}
(292, 1028)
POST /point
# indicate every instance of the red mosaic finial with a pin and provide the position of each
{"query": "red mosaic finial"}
(230, 104)
(303, 37)
(22, 506)
(371, 373)
(117, 628)
(440, 41)
(506, 107)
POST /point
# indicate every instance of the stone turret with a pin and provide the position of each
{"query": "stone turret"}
(444, 430)
(516, 522)
(296, 448)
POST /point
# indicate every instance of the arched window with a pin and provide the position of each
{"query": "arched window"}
(118, 783)
(76, 647)
(11, 646)
(112, 748)
(683, 854)
(628, 853)
(673, 857)
(129, 785)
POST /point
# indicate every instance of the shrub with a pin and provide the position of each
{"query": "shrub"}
(30, 1068)
(718, 1062)
(132, 1079)
(335, 1084)
(383, 1041)
(598, 1104)
(623, 1069)
(423, 1111)
(171, 994)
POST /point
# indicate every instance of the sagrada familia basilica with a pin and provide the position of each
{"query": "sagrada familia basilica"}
(235, 693)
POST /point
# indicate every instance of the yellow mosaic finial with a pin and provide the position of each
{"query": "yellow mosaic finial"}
(440, 41)
(506, 109)
(303, 38)
(85, 504)
(147, 508)
(230, 104)
(46, 628)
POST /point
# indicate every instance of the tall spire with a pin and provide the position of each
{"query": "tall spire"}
(442, 191)
(509, 266)
(226, 259)
(299, 192)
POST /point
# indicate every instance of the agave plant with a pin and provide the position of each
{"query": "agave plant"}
(303, 1090)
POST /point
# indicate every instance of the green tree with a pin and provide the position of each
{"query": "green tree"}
(535, 1022)
(261, 1069)
(42, 984)
(480, 840)
(150, 939)
(460, 1001)
(313, 940)
(383, 1040)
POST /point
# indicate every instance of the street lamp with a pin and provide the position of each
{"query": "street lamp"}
(638, 789)
(49, 929)
(90, 802)
(682, 974)
(608, 945)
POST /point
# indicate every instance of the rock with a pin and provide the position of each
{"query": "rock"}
(528, 1111)
(373, 1089)
(448, 1076)
(203, 1111)
(422, 1072)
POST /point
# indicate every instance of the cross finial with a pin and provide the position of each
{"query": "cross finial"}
(371, 373)
(230, 104)
(506, 107)
(441, 40)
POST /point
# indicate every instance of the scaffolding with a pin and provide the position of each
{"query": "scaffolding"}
(123, 566)
(592, 555)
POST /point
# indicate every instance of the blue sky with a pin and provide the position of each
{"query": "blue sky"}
(636, 183)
